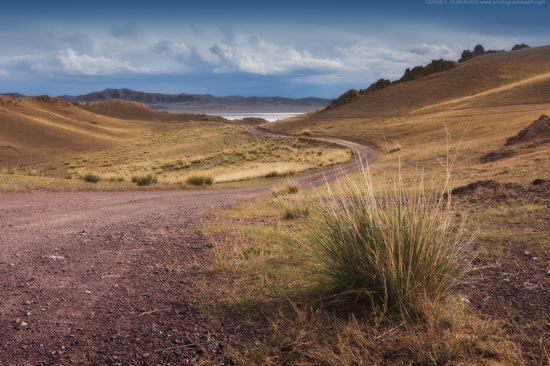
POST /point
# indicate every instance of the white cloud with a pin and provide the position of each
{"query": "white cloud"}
(252, 54)
(390, 62)
(69, 62)
(433, 51)
(4, 73)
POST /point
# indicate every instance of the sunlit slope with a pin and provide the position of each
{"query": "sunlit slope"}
(37, 130)
(485, 100)
(32, 130)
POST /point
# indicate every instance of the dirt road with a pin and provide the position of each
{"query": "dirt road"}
(109, 278)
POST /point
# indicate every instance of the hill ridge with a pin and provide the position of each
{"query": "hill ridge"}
(197, 102)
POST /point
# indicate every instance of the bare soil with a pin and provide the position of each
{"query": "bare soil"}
(514, 286)
(109, 278)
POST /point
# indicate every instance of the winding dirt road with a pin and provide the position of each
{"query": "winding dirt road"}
(108, 278)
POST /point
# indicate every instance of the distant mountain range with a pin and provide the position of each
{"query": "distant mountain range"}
(204, 103)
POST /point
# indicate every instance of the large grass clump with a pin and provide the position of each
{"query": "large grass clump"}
(398, 248)
(200, 180)
(91, 177)
(145, 180)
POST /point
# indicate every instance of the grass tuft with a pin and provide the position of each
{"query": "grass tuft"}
(295, 211)
(200, 180)
(91, 177)
(145, 180)
(397, 249)
(288, 188)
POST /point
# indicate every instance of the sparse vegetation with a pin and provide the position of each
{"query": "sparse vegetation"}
(296, 211)
(200, 180)
(145, 180)
(9, 170)
(91, 177)
(275, 173)
(287, 188)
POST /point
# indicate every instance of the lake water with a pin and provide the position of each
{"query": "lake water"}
(270, 117)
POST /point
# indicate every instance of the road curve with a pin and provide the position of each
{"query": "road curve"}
(362, 156)
(110, 277)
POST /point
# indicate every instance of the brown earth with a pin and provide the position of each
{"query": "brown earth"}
(109, 278)
(513, 286)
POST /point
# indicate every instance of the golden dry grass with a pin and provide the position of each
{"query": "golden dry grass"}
(483, 101)
(128, 139)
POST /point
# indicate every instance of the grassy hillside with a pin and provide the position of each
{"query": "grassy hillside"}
(486, 100)
(117, 140)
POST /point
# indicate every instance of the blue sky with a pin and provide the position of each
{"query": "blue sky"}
(280, 48)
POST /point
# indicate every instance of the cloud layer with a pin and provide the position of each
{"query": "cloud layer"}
(226, 52)
(294, 54)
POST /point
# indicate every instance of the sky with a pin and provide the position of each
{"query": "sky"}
(261, 48)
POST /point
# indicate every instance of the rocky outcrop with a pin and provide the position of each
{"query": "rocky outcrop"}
(422, 71)
(6, 100)
(379, 85)
(410, 74)
(51, 100)
(348, 97)
(530, 137)
(478, 51)
(538, 130)
(520, 46)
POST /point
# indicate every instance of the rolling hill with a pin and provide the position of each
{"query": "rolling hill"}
(119, 140)
(37, 130)
(482, 101)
